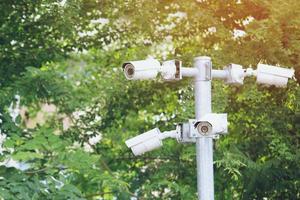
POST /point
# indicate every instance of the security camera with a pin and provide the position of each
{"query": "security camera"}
(145, 142)
(171, 70)
(149, 141)
(212, 124)
(272, 75)
(142, 69)
(204, 127)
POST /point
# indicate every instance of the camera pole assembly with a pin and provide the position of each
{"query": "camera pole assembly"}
(207, 125)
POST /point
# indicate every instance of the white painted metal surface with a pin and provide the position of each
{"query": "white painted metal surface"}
(149, 141)
(218, 122)
(171, 70)
(204, 145)
(272, 75)
(219, 74)
(188, 71)
(142, 69)
(235, 74)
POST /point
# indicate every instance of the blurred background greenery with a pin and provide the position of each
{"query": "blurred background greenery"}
(66, 109)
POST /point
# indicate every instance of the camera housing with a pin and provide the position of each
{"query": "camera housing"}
(171, 70)
(145, 142)
(142, 69)
(210, 125)
(235, 74)
(204, 128)
(272, 75)
(184, 130)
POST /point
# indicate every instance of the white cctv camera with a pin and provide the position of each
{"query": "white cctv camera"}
(145, 142)
(212, 124)
(271, 75)
(150, 140)
(171, 70)
(142, 69)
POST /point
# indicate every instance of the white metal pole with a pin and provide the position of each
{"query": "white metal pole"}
(204, 145)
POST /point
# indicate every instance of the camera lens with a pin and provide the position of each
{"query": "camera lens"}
(204, 129)
(129, 70)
